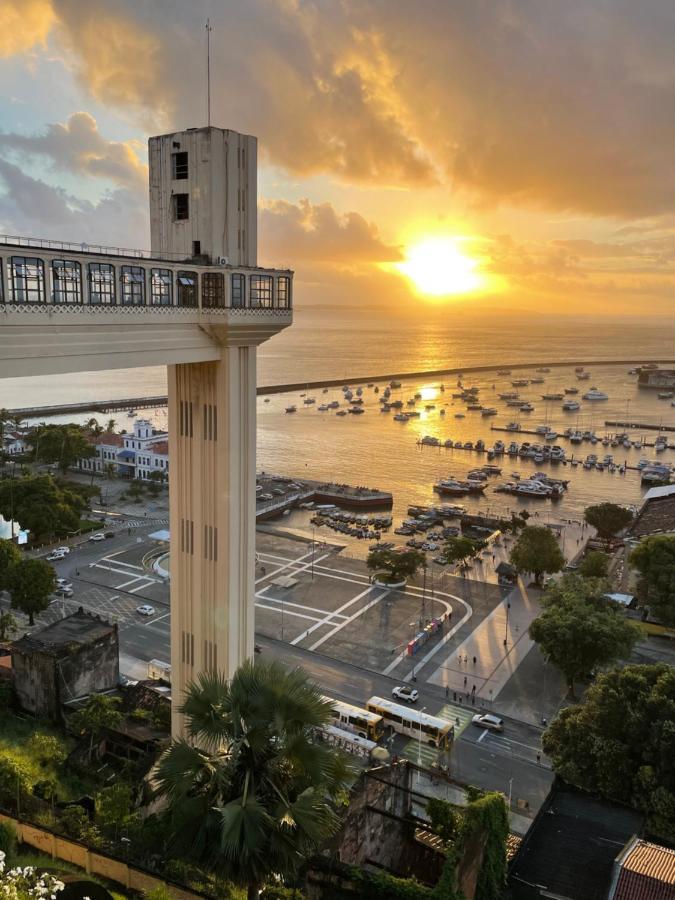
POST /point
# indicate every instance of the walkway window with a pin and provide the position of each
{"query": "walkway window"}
(133, 286)
(261, 290)
(180, 204)
(238, 290)
(161, 293)
(179, 165)
(284, 292)
(101, 284)
(66, 281)
(26, 279)
(213, 290)
(187, 288)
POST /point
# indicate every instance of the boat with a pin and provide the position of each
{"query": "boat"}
(583, 376)
(576, 437)
(509, 395)
(491, 470)
(340, 412)
(537, 380)
(323, 407)
(452, 486)
(308, 401)
(513, 426)
(579, 369)
(515, 403)
(489, 411)
(543, 369)
(394, 384)
(291, 409)
(385, 407)
(430, 441)
(333, 404)
(526, 407)
(503, 371)
(551, 436)
(595, 394)
(571, 405)
(474, 406)
(400, 417)
(395, 404)
(131, 413)
(460, 416)
(665, 395)
(357, 410)
(571, 390)
(551, 396)
(520, 382)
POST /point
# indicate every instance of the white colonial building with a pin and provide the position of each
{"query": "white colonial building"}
(135, 455)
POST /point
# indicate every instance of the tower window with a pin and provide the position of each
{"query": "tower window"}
(160, 287)
(181, 207)
(179, 166)
(187, 288)
(66, 281)
(101, 284)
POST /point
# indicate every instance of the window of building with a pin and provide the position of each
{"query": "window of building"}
(161, 293)
(187, 288)
(26, 279)
(179, 166)
(66, 281)
(132, 280)
(213, 290)
(261, 290)
(284, 291)
(238, 290)
(181, 207)
(2, 287)
(101, 284)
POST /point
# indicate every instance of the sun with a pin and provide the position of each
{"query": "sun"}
(438, 267)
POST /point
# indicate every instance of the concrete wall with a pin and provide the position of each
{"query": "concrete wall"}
(222, 189)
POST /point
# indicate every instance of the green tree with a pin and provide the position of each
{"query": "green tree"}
(608, 519)
(62, 444)
(654, 558)
(31, 583)
(101, 711)
(620, 741)
(594, 565)
(251, 793)
(9, 555)
(537, 551)
(8, 626)
(459, 549)
(111, 424)
(48, 749)
(578, 636)
(42, 506)
(113, 806)
(397, 565)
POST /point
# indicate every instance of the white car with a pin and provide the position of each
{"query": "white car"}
(62, 584)
(403, 692)
(55, 555)
(487, 720)
(63, 593)
(145, 610)
(99, 536)
(64, 550)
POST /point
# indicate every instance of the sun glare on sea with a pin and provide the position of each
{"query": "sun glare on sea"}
(438, 267)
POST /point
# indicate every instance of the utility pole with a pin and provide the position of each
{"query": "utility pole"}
(209, 29)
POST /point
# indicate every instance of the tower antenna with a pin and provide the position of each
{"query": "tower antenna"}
(209, 29)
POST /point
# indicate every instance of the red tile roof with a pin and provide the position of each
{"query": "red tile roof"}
(110, 439)
(647, 873)
(161, 447)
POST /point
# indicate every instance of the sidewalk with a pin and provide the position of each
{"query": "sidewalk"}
(498, 644)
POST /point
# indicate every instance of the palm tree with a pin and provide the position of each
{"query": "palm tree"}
(8, 626)
(111, 425)
(258, 795)
(100, 712)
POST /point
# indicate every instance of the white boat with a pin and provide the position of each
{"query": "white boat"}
(583, 376)
(291, 409)
(571, 405)
(489, 411)
(595, 394)
(571, 390)
(526, 407)
(430, 441)
(341, 412)
(513, 426)
(400, 417)
(542, 429)
(551, 396)
(576, 437)
(551, 435)
(665, 395)
(308, 401)
(520, 382)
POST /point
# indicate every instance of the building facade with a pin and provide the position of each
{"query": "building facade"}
(136, 455)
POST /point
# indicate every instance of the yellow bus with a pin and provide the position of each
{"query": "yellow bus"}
(419, 725)
(357, 720)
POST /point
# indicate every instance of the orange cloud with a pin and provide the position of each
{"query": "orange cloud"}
(24, 24)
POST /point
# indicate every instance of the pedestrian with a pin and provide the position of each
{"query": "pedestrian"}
(474, 660)
(473, 689)
(77, 572)
(538, 757)
(465, 681)
(457, 721)
(447, 691)
(454, 696)
(473, 699)
(129, 530)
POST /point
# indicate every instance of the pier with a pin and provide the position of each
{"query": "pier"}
(639, 425)
(31, 412)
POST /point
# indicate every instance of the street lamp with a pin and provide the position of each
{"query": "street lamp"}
(506, 630)
(419, 742)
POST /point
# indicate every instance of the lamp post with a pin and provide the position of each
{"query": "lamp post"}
(506, 629)
(419, 742)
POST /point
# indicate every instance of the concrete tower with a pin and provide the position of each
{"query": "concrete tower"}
(199, 304)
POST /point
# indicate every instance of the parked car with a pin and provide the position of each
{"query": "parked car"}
(63, 593)
(99, 536)
(64, 550)
(109, 534)
(145, 610)
(404, 692)
(487, 720)
(55, 555)
(62, 584)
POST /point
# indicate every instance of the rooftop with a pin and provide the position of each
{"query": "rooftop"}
(646, 872)
(78, 629)
(657, 514)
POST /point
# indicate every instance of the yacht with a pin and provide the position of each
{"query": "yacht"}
(509, 395)
(357, 410)
(430, 441)
(550, 435)
(595, 394)
(551, 396)
(474, 406)
(452, 486)
(400, 417)
(666, 395)
(308, 401)
(513, 449)
(333, 404)
(340, 412)
(489, 411)
(542, 429)
(460, 416)
(291, 409)
(571, 405)
(395, 384)
(571, 390)
(543, 369)
(503, 371)
(576, 437)
(395, 404)
(323, 407)
(516, 403)
(583, 376)
(520, 382)
(579, 369)
(537, 380)
(531, 488)
(513, 426)
(526, 407)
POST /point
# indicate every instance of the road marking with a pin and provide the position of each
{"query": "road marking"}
(482, 737)
(326, 621)
(350, 619)
(290, 612)
(287, 603)
(139, 586)
(120, 562)
(507, 743)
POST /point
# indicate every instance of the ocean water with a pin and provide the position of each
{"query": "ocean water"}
(374, 450)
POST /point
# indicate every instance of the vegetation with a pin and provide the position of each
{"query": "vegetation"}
(42, 506)
(8, 626)
(654, 558)
(63, 445)
(250, 794)
(594, 565)
(620, 742)
(9, 555)
(537, 551)
(396, 566)
(608, 519)
(459, 549)
(578, 631)
(100, 712)
(31, 583)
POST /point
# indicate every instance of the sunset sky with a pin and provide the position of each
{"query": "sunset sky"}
(512, 153)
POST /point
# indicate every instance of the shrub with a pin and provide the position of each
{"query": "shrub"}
(47, 749)
(7, 839)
